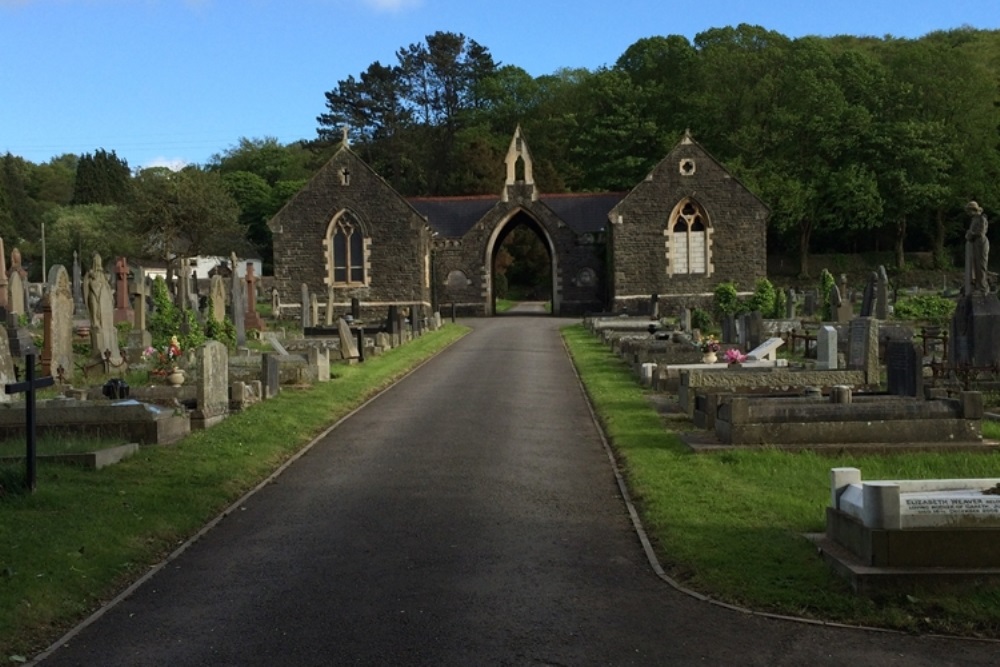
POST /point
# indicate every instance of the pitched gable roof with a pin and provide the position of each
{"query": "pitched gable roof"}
(454, 216)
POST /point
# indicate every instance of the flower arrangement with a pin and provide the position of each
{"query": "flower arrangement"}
(165, 360)
(734, 356)
(709, 344)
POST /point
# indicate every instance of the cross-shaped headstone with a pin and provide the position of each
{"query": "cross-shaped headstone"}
(29, 386)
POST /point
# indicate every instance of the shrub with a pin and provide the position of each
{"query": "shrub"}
(926, 308)
(780, 303)
(727, 300)
(701, 319)
(763, 297)
(826, 284)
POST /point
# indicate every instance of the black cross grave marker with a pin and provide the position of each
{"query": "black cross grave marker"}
(29, 386)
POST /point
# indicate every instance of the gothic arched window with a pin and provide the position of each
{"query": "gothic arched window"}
(347, 251)
(688, 240)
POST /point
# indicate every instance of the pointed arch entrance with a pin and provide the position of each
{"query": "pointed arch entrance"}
(547, 284)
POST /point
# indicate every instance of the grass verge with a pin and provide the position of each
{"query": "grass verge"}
(731, 525)
(84, 535)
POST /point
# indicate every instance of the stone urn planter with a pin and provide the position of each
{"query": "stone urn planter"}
(175, 377)
(709, 358)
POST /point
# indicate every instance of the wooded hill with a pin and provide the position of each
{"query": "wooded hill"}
(856, 143)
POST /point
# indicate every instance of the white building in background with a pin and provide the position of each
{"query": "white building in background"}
(203, 265)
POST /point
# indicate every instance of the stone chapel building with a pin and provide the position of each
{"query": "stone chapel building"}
(688, 226)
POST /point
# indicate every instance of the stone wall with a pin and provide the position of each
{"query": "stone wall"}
(737, 222)
(397, 239)
(470, 256)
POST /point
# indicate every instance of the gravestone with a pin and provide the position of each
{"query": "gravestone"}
(272, 375)
(59, 324)
(383, 341)
(182, 298)
(868, 300)
(904, 368)
(79, 307)
(348, 347)
(139, 338)
(355, 308)
(766, 351)
(103, 334)
(392, 320)
(7, 374)
(840, 304)
(237, 303)
(975, 331)
(16, 303)
(826, 348)
(305, 314)
(18, 278)
(252, 319)
(123, 310)
(319, 361)
(729, 332)
(217, 298)
(329, 306)
(314, 308)
(809, 303)
(4, 285)
(882, 295)
(862, 349)
(685, 319)
(212, 362)
(276, 303)
(790, 304)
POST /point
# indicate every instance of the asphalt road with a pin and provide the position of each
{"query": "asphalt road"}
(469, 516)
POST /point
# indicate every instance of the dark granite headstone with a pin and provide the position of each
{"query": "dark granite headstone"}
(392, 320)
(729, 334)
(355, 308)
(809, 304)
(868, 300)
(790, 304)
(754, 323)
(272, 374)
(904, 368)
(975, 331)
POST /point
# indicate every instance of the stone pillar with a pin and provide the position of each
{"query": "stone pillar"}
(252, 319)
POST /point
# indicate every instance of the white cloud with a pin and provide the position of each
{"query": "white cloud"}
(392, 5)
(171, 163)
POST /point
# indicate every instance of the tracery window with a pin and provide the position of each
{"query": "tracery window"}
(689, 245)
(347, 244)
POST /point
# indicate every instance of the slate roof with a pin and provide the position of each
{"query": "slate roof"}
(454, 216)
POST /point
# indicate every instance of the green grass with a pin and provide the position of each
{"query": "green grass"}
(731, 525)
(84, 534)
(57, 444)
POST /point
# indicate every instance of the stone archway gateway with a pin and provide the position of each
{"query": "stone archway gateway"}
(524, 219)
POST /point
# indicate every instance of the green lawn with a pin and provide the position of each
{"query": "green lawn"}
(731, 525)
(85, 534)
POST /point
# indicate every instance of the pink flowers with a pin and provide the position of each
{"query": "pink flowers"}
(165, 360)
(734, 356)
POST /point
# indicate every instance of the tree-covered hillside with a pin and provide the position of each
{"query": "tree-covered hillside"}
(856, 143)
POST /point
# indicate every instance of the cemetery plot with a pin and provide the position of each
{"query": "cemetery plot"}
(859, 421)
(887, 534)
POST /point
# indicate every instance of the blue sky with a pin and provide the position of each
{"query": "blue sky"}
(175, 81)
